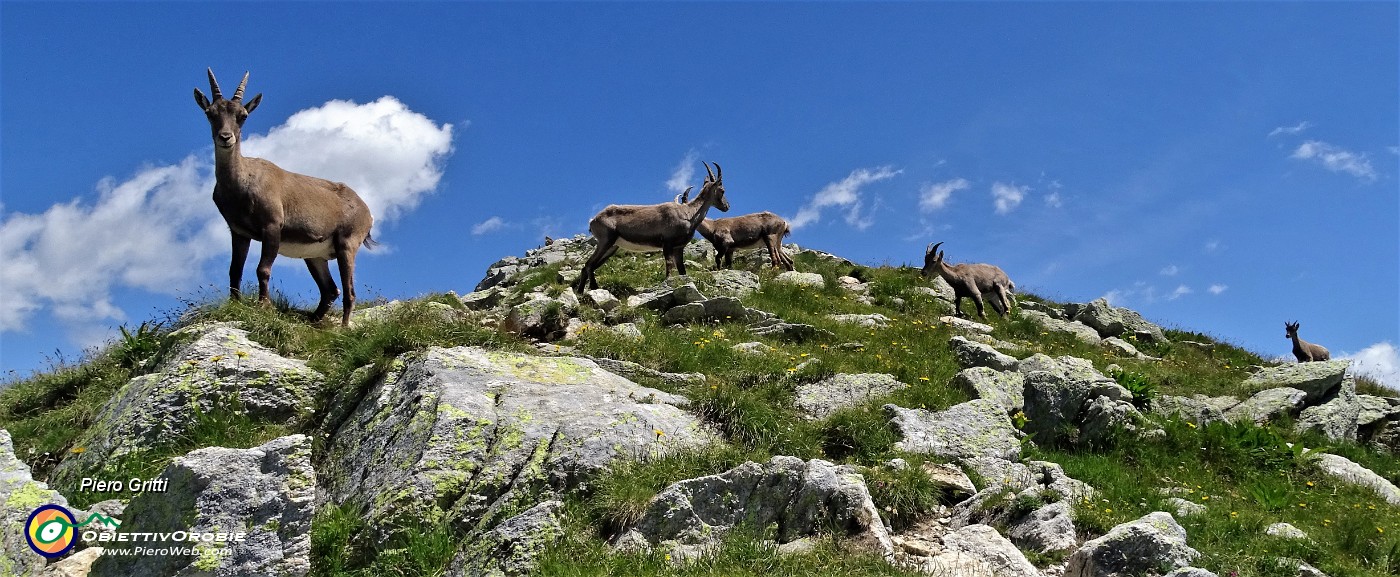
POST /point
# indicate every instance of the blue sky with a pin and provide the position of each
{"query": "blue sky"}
(1221, 167)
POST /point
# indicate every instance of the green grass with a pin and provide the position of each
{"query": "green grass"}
(47, 412)
(746, 552)
(1247, 476)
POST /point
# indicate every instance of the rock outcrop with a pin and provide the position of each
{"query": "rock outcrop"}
(267, 493)
(821, 399)
(476, 436)
(217, 371)
(1150, 544)
(977, 428)
(801, 497)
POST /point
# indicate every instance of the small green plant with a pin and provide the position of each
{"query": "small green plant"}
(1143, 390)
(139, 350)
(621, 497)
(906, 495)
(862, 434)
(1271, 494)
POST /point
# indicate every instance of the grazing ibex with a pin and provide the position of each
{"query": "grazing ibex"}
(972, 281)
(291, 214)
(749, 231)
(666, 227)
(1304, 350)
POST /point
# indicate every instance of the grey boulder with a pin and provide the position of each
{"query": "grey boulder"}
(974, 354)
(267, 492)
(977, 428)
(1150, 544)
(216, 371)
(1004, 388)
(801, 497)
(821, 399)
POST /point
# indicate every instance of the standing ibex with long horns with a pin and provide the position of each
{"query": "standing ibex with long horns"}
(291, 214)
(666, 227)
(971, 280)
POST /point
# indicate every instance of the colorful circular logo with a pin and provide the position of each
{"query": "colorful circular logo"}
(50, 531)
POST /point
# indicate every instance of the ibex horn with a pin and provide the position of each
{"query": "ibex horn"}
(932, 248)
(214, 84)
(707, 170)
(719, 172)
(238, 94)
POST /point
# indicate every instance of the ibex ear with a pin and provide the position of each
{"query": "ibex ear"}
(251, 104)
(201, 100)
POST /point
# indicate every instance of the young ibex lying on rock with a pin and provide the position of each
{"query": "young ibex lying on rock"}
(761, 229)
(666, 227)
(972, 281)
(291, 214)
(1304, 350)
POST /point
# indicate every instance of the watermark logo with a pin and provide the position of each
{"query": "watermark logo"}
(52, 529)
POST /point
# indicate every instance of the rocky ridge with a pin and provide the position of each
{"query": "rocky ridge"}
(490, 442)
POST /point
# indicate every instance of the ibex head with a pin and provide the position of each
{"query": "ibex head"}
(714, 186)
(1291, 328)
(226, 116)
(933, 259)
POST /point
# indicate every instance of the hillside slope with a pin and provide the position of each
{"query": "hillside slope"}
(738, 422)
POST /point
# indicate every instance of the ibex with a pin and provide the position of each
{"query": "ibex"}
(744, 232)
(1304, 350)
(666, 227)
(291, 214)
(972, 281)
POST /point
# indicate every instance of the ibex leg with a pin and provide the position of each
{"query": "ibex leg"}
(321, 273)
(347, 278)
(235, 267)
(270, 244)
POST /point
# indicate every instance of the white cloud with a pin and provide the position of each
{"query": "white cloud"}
(548, 225)
(1181, 291)
(684, 172)
(155, 230)
(1301, 126)
(1007, 197)
(150, 232)
(934, 196)
(390, 155)
(1380, 361)
(1336, 159)
(1140, 292)
(845, 194)
(489, 225)
(1170, 270)
(1114, 297)
(1216, 289)
(1053, 200)
(1212, 245)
